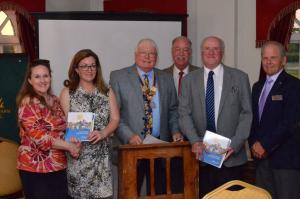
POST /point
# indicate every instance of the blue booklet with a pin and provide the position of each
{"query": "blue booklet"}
(215, 147)
(80, 124)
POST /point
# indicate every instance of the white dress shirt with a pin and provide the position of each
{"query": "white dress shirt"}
(176, 75)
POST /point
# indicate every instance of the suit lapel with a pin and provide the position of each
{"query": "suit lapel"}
(274, 91)
(227, 84)
(160, 89)
(201, 92)
(255, 97)
(136, 85)
(258, 92)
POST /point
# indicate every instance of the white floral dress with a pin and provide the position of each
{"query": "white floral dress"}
(90, 176)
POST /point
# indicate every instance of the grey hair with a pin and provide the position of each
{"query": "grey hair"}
(274, 43)
(182, 38)
(151, 41)
(221, 42)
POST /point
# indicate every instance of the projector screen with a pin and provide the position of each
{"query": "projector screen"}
(113, 40)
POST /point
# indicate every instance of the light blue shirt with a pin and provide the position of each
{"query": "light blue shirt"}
(268, 78)
(156, 109)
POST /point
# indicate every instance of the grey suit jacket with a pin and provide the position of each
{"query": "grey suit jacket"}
(126, 85)
(234, 117)
(170, 68)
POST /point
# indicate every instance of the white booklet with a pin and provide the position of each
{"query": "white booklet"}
(79, 125)
(215, 147)
(149, 139)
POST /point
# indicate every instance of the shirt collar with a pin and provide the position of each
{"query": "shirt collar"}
(142, 73)
(217, 70)
(275, 76)
(176, 70)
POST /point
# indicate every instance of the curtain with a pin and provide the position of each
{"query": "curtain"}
(26, 36)
(266, 12)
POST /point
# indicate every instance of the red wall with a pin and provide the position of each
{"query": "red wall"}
(29, 5)
(150, 6)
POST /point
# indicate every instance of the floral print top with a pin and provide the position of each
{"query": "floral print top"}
(38, 127)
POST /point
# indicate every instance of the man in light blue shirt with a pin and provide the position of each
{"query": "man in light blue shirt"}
(153, 112)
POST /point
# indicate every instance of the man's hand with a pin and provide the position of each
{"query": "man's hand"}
(135, 139)
(258, 150)
(228, 152)
(198, 148)
(177, 137)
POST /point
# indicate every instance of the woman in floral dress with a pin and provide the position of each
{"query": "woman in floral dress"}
(90, 176)
(41, 155)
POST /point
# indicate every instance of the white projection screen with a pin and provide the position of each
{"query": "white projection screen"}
(113, 37)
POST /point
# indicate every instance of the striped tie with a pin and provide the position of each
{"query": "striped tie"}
(210, 103)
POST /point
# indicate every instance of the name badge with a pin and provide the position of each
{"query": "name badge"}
(277, 98)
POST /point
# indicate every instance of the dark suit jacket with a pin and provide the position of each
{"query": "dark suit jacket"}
(234, 117)
(127, 88)
(278, 131)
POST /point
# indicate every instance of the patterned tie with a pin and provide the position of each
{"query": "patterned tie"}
(181, 73)
(210, 103)
(146, 81)
(148, 120)
(264, 96)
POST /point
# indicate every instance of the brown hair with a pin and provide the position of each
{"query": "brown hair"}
(73, 81)
(27, 89)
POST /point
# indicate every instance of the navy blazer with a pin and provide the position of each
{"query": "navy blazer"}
(278, 130)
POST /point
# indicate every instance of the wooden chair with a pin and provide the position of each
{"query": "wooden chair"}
(247, 191)
(129, 156)
(10, 183)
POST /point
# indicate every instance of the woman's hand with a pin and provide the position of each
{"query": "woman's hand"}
(95, 136)
(74, 147)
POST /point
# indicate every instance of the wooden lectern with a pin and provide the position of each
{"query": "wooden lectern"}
(129, 156)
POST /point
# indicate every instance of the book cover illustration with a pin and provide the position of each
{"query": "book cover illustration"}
(79, 125)
(215, 147)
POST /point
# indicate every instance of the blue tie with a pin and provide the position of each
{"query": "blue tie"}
(210, 103)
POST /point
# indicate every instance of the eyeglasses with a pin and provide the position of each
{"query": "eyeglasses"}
(146, 54)
(86, 67)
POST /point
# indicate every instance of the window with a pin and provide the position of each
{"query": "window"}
(9, 41)
(293, 54)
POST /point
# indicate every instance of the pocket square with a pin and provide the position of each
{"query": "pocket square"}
(277, 98)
